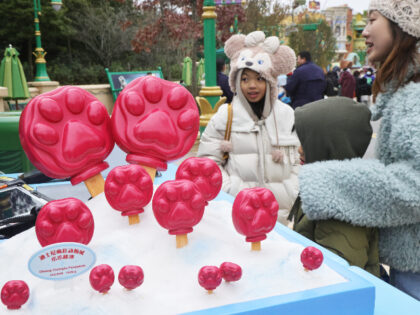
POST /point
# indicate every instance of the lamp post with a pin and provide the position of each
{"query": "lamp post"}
(40, 63)
(211, 91)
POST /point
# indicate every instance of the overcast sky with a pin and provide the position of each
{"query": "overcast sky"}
(356, 5)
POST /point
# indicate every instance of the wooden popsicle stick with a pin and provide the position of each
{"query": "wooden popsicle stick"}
(181, 240)
(256, 246)
(151, 171)
(210, 291)
(95, 184)
(133, 219)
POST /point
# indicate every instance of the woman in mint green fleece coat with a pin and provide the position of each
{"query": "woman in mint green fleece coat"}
(383, 193)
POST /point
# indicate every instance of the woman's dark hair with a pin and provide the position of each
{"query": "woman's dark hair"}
(220, 63)
(395, 67)
(306, 55)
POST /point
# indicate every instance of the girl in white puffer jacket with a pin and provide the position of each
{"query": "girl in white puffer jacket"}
(262, 147)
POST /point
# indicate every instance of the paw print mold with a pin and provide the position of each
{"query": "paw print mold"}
(204, 173)
(155, 121)
(254, 214)
(67, 133)
(178, 205)
(64, 220)
(128, 189)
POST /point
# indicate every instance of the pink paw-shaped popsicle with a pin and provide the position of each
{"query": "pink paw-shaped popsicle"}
(64, 220)
(230, 271)
(311, 258)
(209, 277)
(254, 214)
(131, 277)
(14, 294)
(178, 205)
(155, 121)
(128, 189)
(67, 133)
(101, 278)
(204, 173)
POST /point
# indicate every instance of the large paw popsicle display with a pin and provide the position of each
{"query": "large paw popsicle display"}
(254, 214)
(67, 133)
(154, 121)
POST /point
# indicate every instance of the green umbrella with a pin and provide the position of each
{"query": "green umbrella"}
(12, 75)
(200, 70)
(187, 71)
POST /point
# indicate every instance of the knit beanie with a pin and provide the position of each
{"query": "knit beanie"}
(406, 13)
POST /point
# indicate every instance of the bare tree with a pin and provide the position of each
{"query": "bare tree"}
(105, 29)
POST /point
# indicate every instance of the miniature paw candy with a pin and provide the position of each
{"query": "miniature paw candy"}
(64, 220)
(209, 277)
(205, 173)
(311, 258)
(254, 214)
(14, 294)
(230, 271)
(178, 206)
(154, 121)
(67, 133)
(128, 189)
(101, 278)
(131, 277)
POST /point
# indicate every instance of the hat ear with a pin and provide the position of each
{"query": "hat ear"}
(234, 45)
(283, 60)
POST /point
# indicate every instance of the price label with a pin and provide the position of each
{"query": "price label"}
(61, 261)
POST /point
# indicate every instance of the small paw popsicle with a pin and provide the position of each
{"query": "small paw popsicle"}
(205, 173)
(14, 294)
(128, 189)
(154, 121)
(131, 277)
(311, 258)
(178, 206)
(64, 220)
(101, 278)
(230, 271)
(209, 277)
(67, 133)
(254, 214)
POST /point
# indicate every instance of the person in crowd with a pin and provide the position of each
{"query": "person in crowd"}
(347, 81)
(357, 79)
(307, 84)
(223, 80)
(256, 147)
(370, 76)
(382, 192)
(332, 87)
(336, 128)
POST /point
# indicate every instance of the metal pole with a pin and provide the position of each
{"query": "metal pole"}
(210, 91)
(40, 63)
